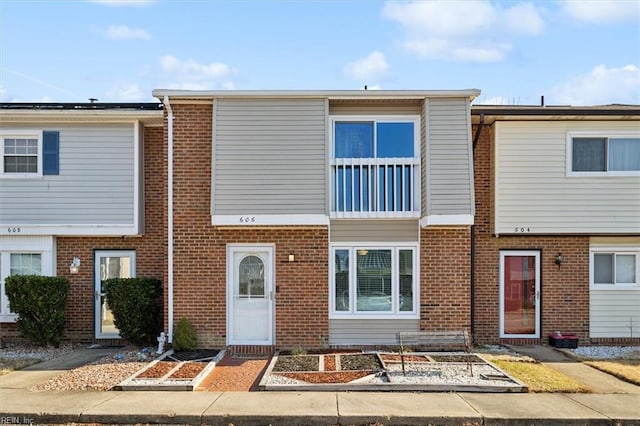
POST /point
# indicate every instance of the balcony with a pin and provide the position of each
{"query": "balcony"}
(375, 188)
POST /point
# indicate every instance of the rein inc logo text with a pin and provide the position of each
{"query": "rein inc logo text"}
(16, 420)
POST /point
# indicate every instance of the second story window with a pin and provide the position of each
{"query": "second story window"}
(375, 167)
(615, 155)
(20, 155)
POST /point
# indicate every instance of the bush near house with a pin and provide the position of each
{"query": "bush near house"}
(184, 338)
(40, 304)
(135, 303)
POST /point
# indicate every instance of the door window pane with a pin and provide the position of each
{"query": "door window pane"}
(519, 295)
(625, 269)
(342, 280)
(354, 139)
(394, 140)
(589, 154)
(373, 280)
(251, 278)
(603, 268)
(26, 264)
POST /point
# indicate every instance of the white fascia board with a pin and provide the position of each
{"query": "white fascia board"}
(78, 116)
(446, 220)
(331, 94)
(69, 230)
(249, 220)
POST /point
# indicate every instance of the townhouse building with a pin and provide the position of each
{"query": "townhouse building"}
(278, 219)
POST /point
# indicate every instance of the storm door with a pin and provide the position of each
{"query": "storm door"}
(520, 294)
(109, 264)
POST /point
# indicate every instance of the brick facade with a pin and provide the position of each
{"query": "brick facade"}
(151, 248)
(200, 264)
(445, 278)
(564, 290)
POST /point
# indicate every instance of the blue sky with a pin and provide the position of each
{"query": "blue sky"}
(572, 52)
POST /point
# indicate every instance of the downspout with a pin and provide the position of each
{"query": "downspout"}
(476, 138)
(169, 215)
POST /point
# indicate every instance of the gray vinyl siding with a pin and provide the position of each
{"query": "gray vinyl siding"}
(95, 184)
(269, 156)
(352, 230)
(534, 193)
(354, 332)
(449, 158)
(614, 313)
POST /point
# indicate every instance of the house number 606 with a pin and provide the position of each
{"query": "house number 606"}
(247, 219)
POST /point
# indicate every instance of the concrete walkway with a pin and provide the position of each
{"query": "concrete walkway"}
(18, 405)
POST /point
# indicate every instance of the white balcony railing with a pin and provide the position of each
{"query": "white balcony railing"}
(375, 187)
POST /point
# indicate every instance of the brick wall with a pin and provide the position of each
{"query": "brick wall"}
(200, 250)
(564, 291)
(445, 278)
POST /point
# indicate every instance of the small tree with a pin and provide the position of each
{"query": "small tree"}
(40, 304)
(185, 338)
(136, 308)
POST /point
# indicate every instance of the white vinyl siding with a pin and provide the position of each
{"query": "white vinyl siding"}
(354, 332)
(43, 247)
(449, 158)
(614, 313)
(269, 157)
(374, 230)
(95, 185)
(535, 195)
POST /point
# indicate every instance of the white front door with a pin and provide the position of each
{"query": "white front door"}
(520, 294)
(250, 297)
(110, 264)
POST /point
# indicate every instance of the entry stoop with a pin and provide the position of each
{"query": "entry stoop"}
(251, 350)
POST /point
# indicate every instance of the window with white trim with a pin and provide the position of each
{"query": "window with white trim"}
(604, 155)
(375, 166)
(374, 280)
(21, 154)
(615, 267)
(17, 264)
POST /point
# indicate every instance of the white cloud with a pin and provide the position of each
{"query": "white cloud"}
(603, 11)
(369, 67)
(475, 31)
(601, 86)
(126, 93)
(123, 2)
(123, 32)
(191, 75)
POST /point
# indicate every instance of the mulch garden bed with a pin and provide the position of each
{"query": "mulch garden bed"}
(334, 368)
(158, 370)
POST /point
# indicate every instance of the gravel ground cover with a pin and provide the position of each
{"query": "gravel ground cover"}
(606, 352)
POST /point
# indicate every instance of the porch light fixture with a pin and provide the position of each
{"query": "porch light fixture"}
(74, 267)
(559, 259)
(292, 257)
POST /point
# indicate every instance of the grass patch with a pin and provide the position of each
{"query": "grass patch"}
(7, 365)
(540, 378)
(627, 370)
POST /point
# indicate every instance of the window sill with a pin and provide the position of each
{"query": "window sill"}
(22, 176)
(8, 318)
(615, 287)
(374, 315)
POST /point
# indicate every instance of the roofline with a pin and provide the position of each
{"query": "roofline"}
(556, 110)
(331, 94)
(138, 106)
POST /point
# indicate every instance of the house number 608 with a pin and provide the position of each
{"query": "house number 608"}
(13, 230)
(247, 219)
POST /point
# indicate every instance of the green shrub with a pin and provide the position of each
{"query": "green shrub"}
(184, 338)
(137, 312)
(40, 304)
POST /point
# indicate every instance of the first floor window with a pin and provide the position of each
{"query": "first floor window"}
(374, 280)
(615, 267)
(17, 264)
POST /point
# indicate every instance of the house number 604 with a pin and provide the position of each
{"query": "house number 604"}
(13, 230)
(247, 219)
(522, 229)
